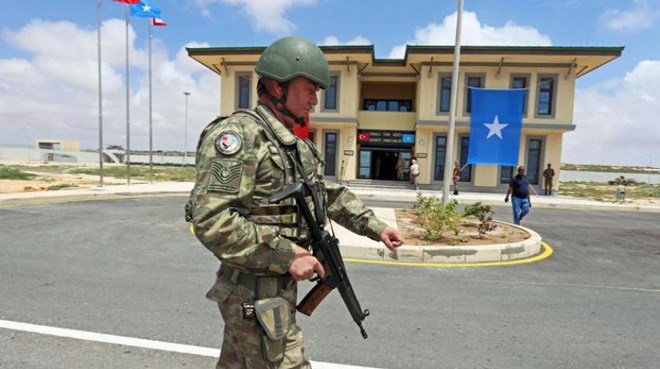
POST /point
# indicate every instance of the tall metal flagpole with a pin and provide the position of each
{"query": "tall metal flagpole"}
(452, 106)
(185, 135)
(151, 140)
(128, 110)
(98, 21)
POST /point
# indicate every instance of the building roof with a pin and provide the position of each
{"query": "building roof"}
(581, 60)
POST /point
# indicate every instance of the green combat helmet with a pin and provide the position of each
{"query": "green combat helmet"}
(291, 57)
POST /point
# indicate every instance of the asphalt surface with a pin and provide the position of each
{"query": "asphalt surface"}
(131, 268)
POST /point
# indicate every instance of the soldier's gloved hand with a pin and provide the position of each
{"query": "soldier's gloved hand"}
(391, 237)
(304, 265)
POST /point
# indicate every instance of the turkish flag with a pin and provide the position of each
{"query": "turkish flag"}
(300, 131)
(363, 136)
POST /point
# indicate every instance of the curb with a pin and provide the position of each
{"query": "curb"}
(505, 252)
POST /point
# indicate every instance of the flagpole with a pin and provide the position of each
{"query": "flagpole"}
(128, 113)
(98, 22)
(151, 141)
(452, 106)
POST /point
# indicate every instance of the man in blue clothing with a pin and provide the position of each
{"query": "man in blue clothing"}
(519, 189)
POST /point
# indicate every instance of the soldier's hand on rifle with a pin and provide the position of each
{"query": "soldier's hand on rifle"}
(304, 265)
(391, 237)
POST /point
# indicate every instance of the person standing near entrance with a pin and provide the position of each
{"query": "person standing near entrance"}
(399, 167)
(548, 176)
(244, 159)
(414, 173)
(456, 176)
(519, 191)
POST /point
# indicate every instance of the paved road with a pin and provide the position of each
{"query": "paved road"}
(130, 268)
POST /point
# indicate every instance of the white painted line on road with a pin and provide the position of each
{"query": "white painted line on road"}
(138, 342)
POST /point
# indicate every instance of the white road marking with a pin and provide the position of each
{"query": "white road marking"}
(138, 342)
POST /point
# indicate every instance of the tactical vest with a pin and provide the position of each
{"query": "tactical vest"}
(300, 162)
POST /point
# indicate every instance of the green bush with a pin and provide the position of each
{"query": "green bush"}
(13, 173)
(485, 215)
(435, 217)
(60, 186)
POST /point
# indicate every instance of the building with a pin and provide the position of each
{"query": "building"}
(377, 109)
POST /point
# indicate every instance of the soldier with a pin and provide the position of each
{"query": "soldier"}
(456, 176)
(548, 176)
(241, 161)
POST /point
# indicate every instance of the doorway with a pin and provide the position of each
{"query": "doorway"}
(381, 164)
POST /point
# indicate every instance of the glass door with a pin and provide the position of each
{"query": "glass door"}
(364, 168)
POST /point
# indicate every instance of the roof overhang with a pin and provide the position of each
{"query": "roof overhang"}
(576, 60)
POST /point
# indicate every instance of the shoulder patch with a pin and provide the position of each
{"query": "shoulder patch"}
(228, 143)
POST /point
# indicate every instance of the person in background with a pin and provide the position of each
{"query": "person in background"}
(456, 176)
(548, 176)
(519, 192)
(399, 167)
(414, 173)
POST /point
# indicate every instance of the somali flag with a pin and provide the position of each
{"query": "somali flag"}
(145, 9)
(495, 125)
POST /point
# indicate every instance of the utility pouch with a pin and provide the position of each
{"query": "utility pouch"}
(274, 317)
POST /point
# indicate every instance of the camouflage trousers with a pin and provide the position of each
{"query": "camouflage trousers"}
(241, 343)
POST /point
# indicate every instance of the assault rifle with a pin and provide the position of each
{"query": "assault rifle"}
(325, 247)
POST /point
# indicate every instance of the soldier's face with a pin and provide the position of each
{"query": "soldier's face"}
(301, 96)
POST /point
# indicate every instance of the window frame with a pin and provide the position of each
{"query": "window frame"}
(527, 78)
(441, 77)
(337, 143)
(324, 95)
(435, 157)
(237, 101)
(553, 96)
(466, 90)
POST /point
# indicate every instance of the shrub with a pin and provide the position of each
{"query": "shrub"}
(435, 217)
(13, 173)
(485, 215)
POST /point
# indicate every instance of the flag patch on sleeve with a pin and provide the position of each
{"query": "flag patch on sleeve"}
(226, 176)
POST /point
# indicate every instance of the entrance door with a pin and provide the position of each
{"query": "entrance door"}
(381, 164)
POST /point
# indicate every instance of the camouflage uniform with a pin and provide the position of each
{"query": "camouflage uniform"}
(232, 217)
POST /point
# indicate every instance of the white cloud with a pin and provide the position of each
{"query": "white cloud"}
(474, 33)
(641, 16)
(266, 15)
(617, 121)
(334, 41)
(53, 93)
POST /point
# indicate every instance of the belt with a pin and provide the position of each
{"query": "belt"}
(249, 280)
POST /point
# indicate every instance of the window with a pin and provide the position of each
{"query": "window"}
(387, 105)
(330, 100)
(471, 81)
(244, 86)
(533, 160)
(521, 82)
(444, 97)
(330, 154)
(506, 173)
(546, 96)
(466, 173)
(440, 151)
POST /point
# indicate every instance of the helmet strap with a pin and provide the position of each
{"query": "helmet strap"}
(280, 104)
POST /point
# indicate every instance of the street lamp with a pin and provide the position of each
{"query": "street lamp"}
(185, 137)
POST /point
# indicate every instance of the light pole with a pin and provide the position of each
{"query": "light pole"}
(185, 136)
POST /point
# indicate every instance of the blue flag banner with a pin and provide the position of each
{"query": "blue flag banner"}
(495, 125)
(145, 9)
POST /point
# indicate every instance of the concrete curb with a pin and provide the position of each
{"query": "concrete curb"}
(528, 248)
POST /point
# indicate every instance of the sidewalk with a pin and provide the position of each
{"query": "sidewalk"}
(352, 245)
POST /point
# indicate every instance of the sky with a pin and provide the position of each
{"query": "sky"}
(49, 62)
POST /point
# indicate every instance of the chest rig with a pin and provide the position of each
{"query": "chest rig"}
(301, 163)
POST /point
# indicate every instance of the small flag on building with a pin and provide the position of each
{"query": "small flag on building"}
(495, 125)
(144, 9)
(158, 22)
